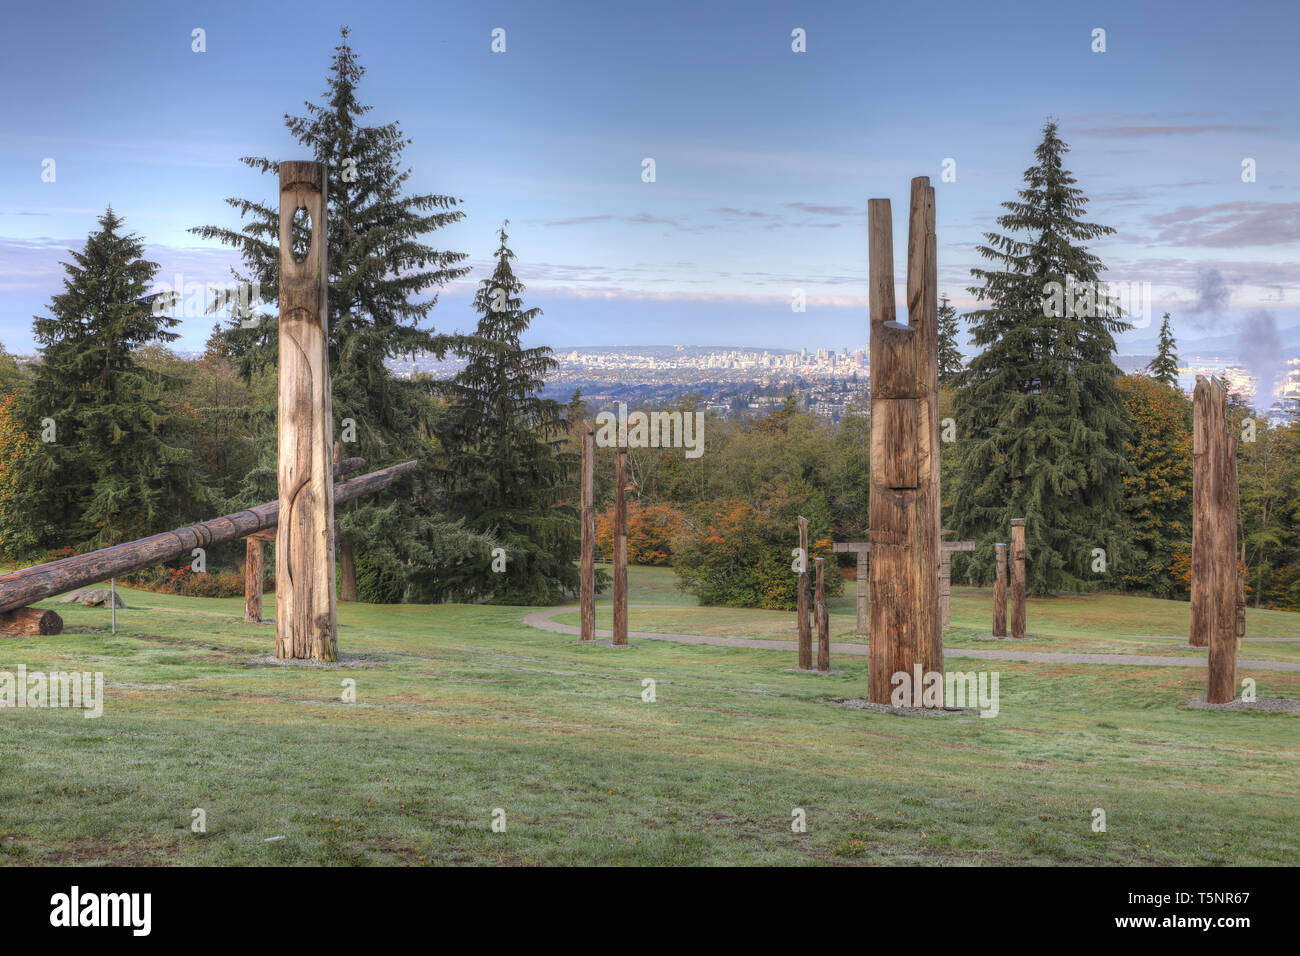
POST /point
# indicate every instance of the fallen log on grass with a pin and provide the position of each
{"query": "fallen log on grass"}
(18, 589)
(30, 620)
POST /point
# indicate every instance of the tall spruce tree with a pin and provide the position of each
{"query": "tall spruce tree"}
(379, 269)
(950, 363)
(502, 460)
(1039, 413)
(113, 463)
(1164, 367)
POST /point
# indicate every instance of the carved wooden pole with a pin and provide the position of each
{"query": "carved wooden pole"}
(1000, 592)
(305, 621)
(823, 622)
(1018, 577)
(904, 607)
(620, 547)
(587, 589)
(1215, 586)
(801, 603)
(923, 315)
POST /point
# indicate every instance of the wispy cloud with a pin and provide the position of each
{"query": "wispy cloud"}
(1169, 129)
(1228, 225)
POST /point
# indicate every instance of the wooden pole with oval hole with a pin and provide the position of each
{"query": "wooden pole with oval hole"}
(587, 569)
(306, 625)
(905, 634)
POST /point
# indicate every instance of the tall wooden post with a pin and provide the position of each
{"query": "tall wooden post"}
(823, 621)
(587, 586)
(1203, 517)
(801, 601)
(861, 625)
(254, 557)
(305, 617)
(1018, 577)
(945, 585)
(347, 557)
(923, 315)
(904, 525)
(1000, 592)
(1215, 585)
(1226, 639)
(620, 547)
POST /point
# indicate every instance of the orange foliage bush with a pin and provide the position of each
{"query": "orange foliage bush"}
(651, 531)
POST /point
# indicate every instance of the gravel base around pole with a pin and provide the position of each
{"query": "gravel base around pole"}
(861, 703)
(1272, 705)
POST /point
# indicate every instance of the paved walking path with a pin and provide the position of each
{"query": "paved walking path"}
(542, 620)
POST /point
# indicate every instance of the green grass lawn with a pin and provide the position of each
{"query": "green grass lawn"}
(462, 710)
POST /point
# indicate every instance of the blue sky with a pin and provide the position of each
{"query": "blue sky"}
(765, 158)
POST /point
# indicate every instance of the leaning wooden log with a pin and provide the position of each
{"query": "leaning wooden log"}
(348, 465)
(30, 585)
(26, 621)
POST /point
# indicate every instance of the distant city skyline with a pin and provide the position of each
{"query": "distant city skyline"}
(764, 157)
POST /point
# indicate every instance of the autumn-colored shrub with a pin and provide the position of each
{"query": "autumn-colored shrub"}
(18, 444)
(651, 531)
(739, 554)
(183, 580)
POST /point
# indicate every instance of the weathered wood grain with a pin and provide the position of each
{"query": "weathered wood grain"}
(30, 621)
(801, 600)
(1000, 592)
(587, 570)
(620, 547)
(1018, 578)
(305, 617)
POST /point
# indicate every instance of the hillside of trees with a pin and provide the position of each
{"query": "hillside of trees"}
(111, 436)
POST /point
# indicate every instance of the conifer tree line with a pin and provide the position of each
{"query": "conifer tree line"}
(124, 463)
(111, 437)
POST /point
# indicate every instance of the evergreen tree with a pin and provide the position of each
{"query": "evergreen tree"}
(502, 463)
(115, 466)
(378, 268)
(1164, 367)
(1040, 417)
(1158, 490)
(950, 363)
